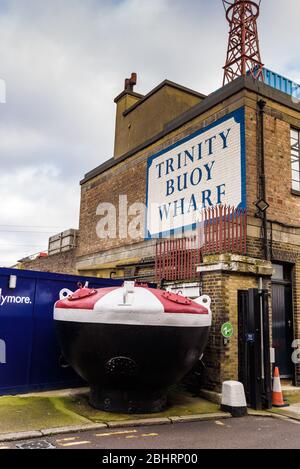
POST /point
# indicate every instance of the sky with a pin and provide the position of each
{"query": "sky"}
(63, 63)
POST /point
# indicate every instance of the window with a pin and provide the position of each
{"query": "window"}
(277, 272)
(282, 272)
(295, 159)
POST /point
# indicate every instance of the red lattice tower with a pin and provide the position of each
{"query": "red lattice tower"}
(243, 55)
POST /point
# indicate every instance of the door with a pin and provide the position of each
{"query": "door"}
(283, 327)
(254, 347)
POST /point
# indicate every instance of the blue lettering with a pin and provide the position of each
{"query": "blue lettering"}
(179, 160)
(209, 168)
(181, 201)
(170, 187)
(164, 211)
(198, 173)
(206, 197)
(224, 138)
(193, 204)
(200, 151)
(159, 166)
(189, 156)
(220, 191)
(210, 144)
(184, 186)
(170, 167)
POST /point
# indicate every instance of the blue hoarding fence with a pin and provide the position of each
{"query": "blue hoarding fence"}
(30, 357)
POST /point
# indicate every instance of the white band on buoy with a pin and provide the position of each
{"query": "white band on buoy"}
(142, 307)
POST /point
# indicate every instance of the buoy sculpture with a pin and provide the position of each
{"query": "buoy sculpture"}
(131, 343)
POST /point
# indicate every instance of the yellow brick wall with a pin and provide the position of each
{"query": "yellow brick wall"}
(129, 178)
(284, 205)
(221, 360)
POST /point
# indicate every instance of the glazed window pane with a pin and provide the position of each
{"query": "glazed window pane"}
(295, 159)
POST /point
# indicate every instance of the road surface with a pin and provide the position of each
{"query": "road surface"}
(248, 432)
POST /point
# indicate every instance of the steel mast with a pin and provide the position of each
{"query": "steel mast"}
(243, 54)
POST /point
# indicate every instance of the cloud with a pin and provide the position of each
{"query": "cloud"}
(42, 209)
(64, 62)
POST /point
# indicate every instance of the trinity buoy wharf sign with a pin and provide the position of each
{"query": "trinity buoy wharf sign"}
(203, 170)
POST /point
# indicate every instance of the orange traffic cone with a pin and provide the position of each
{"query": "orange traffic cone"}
(277, 397)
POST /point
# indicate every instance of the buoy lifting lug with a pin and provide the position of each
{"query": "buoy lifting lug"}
(176, 298)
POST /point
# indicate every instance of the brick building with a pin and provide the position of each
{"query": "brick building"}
(241, 148)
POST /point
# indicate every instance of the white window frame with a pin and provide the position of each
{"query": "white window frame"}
(295, 159)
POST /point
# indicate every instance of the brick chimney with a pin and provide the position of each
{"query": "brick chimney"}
(124, 101)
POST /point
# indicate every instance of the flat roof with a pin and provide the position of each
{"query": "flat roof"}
(164, 83)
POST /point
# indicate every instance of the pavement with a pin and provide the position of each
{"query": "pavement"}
(259, 432)
(53, 414)
(292, 397)
(60, 412)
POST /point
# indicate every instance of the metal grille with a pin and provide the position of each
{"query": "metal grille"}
(35, 444)
(176, 259)
(223, 229)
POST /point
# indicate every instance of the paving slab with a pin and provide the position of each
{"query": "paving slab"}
(292, 396)
(22, 414)
(293, 411)
(54, 413)
(289, 389)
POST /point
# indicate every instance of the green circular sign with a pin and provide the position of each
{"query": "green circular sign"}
(227, 330)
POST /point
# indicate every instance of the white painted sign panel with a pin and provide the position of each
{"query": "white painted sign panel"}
(203, 170)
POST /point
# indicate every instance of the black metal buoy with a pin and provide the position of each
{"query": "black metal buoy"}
(131, 343)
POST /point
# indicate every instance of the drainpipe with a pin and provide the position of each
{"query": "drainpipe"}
(262, 105)
(262, 345)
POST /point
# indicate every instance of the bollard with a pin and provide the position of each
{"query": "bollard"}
(233, 399)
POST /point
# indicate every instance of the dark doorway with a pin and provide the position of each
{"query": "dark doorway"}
(282, 322)
(254, 348)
